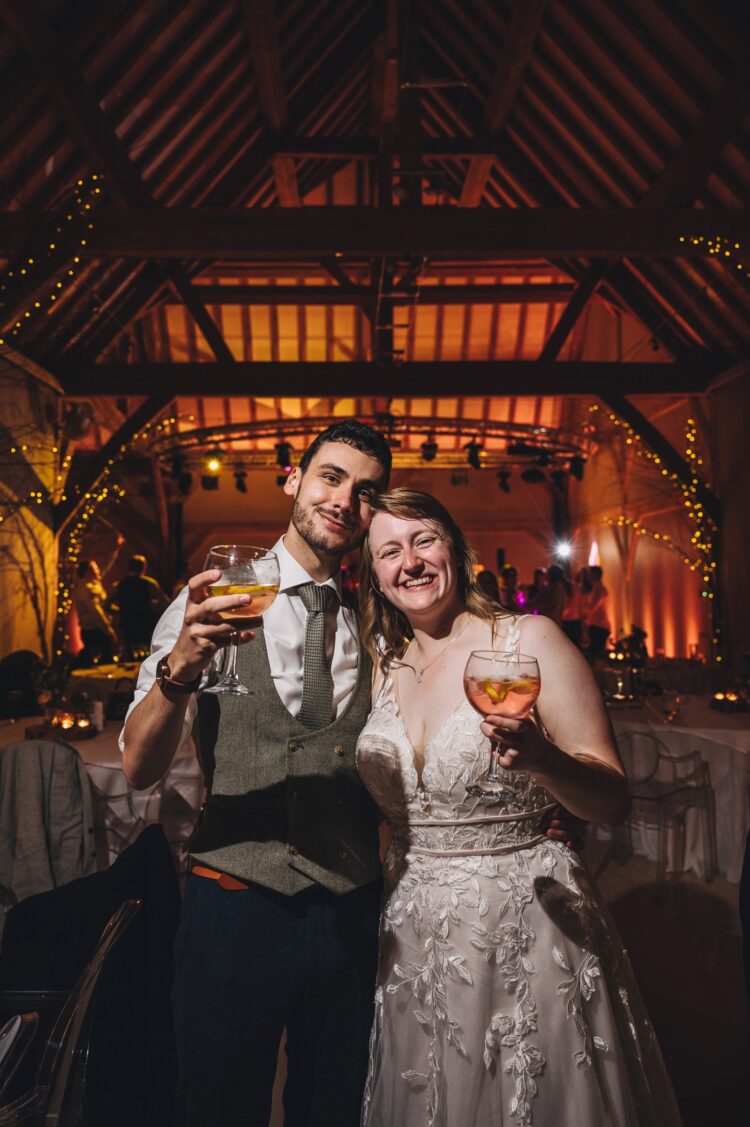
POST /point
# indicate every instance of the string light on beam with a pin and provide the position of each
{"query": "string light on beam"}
(53, 249)
(724, 249)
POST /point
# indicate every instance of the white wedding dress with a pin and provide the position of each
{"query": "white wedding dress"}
(504, 996)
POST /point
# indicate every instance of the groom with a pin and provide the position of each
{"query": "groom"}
(280, 918)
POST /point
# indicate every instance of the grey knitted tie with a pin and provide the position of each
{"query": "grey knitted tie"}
(317, 685)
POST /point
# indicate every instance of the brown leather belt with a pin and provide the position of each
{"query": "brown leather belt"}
(229, 884)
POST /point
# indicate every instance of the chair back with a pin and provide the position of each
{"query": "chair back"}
(15, 1037)
(640, 753)
(58, 1097)
(46, 812)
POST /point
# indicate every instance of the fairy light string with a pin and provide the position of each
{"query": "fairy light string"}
(50, 260)
(704, 535)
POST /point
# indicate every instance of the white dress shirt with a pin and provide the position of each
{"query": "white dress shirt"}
(284, 625)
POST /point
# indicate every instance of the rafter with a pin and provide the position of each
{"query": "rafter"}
(150, 409)
(670, 458)
(678, 185)
(94, 132)
(349, 294)
(477, 377)
(297, 235)
(518, 45)
(265, 57)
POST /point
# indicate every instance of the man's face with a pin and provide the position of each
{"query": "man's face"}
(331, 498)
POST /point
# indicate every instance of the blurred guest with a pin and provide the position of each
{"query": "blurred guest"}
(140, 601)
(535, 588)
(552, 598)
(509, 593)
(596, 614)
(91, 602)
(487, 583)
(572, 617)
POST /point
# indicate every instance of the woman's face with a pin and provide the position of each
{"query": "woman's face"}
(414, 564)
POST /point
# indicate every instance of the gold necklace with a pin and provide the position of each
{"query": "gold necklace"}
(421, 671)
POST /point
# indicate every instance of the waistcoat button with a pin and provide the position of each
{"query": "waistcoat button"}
(343, 854)
(294, 796)
(293, 745)
(292, 849)
(339, 749)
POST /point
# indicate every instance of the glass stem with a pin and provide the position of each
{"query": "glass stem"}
(231, 676)
(492, 774)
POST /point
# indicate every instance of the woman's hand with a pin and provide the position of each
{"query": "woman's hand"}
(520, 743)
(203, 631)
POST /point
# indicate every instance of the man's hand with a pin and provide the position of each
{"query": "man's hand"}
(203, 632)
(560, 825)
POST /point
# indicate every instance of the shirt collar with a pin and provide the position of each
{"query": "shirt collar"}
(294, 575)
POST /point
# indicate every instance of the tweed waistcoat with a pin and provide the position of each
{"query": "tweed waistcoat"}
(286, 808)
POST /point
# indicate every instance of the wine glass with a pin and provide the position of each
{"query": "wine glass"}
(245, 570)
(498, 683)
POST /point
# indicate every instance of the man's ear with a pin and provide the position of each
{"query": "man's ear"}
(292, 483)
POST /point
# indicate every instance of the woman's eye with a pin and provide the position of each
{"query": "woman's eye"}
(426, 542)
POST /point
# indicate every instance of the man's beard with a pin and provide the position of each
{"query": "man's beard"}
(302, 519)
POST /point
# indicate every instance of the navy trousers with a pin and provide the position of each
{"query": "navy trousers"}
(251, 963)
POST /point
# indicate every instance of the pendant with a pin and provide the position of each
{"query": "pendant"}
(420, 676)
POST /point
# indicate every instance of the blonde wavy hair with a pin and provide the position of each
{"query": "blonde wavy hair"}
(378, 617)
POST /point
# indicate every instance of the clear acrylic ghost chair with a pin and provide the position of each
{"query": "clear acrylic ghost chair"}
(58, 1099)
(663, 788)
(15, 1038)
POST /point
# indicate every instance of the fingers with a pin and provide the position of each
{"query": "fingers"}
(197, 584)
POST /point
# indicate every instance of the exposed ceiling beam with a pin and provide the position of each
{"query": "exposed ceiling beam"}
(368, 148)
(349, 294)
(476, 377)
(76, 490)
(95, 134)
(678, 185)
(265, 57)
(520, 36)
(670, 458)
(436, 232)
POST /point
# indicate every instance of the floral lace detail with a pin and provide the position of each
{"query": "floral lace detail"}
(472, 941)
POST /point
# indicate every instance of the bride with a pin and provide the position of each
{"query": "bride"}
(504, 995)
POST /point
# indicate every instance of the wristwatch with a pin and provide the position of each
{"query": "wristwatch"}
(165, 682)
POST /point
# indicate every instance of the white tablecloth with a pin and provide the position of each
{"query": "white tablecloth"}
(122, 812)
(723, 740)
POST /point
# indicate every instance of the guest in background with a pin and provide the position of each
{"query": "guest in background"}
(596, 614)
(572, 616)
(92, 607)
(535, 588)
(140, 602)
(552, 598)
(487, 583)
(509, 593)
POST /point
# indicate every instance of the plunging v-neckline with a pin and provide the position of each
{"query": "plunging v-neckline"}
(438, 731)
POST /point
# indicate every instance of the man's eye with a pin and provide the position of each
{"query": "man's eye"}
(365, 494)
(330, 477)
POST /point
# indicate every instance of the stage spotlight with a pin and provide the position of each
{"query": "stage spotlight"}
(214, 462)
(563, 550)
(284, 455)
(429, 450)
(209, 482)
(557, 477)
(240, 481)
(503, 481)
(532, 476)
(577, 465)
(473, 450)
